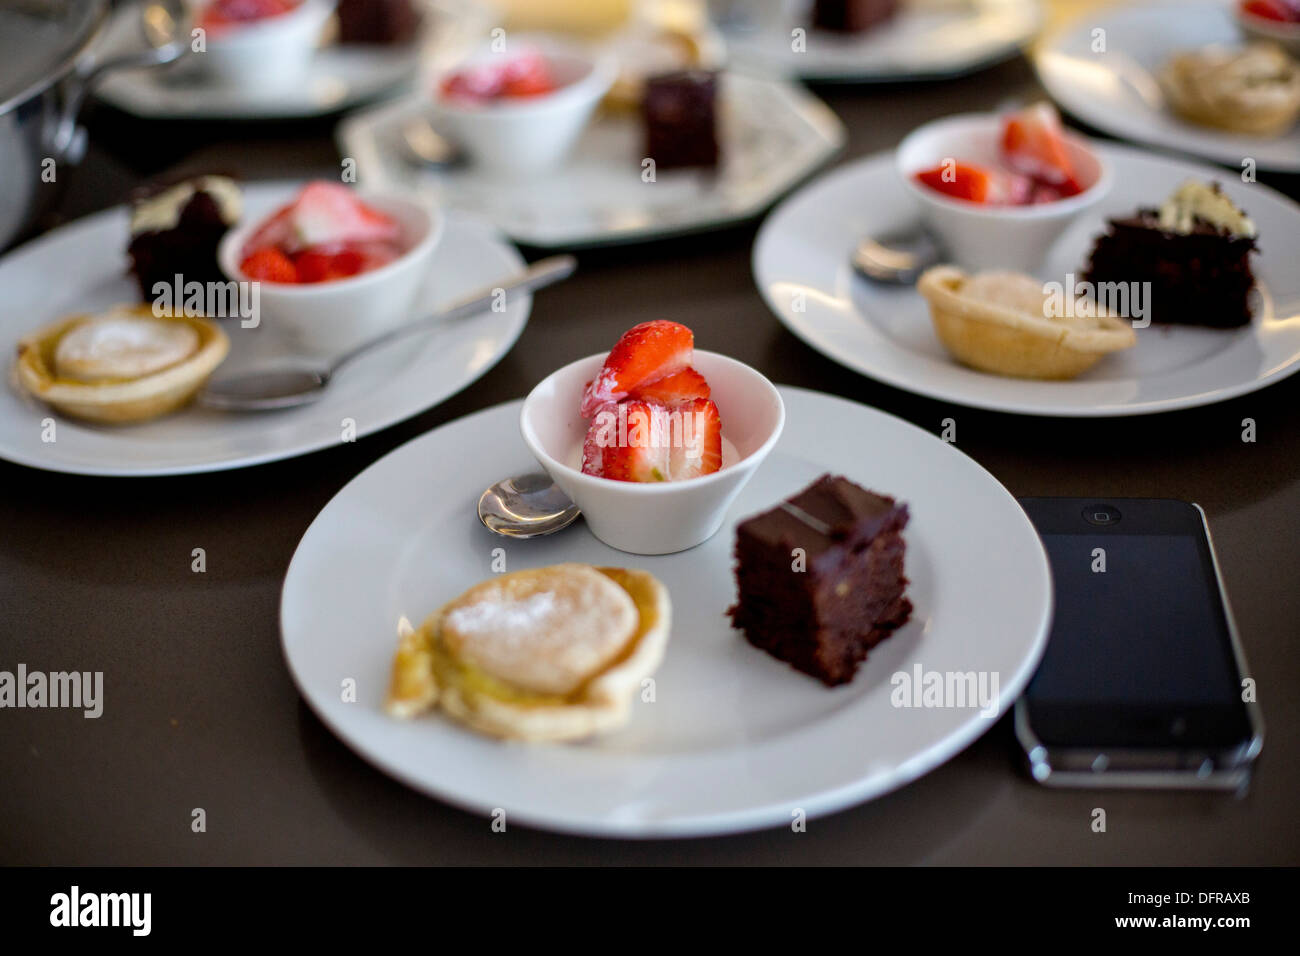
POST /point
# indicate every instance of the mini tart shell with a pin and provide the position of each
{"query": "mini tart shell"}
(1234, 111)
(425, 676)
(1004, 341)
(127, 401)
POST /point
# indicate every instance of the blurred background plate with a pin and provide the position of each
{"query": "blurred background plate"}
(1116, 91)
(926, 39)
(885, 331)
(773, 134)
(341, 76)
(81, 267)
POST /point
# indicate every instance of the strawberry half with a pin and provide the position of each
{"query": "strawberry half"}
(646, 353)
(1033, 143)
(684, 386)
(960, 181)
(638, 448)
(325, 213)
(269, 264)
(645, 441)
(700, 452)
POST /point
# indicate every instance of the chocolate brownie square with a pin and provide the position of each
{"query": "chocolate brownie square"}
(680, 113)
(820, 577)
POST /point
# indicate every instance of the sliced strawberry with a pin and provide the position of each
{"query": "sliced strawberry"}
(269, 264)
(527, 75)
(640, 449)
(645, 441)
(960, 181)
(1282, 11)
(1033, 143)
(326, 213)
(276, 230)
(646, 353)
(684, 386)
(321, 266)
(699, 450)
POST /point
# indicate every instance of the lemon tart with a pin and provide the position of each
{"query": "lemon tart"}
(123, 365)
(555, 653)
(1007, 323)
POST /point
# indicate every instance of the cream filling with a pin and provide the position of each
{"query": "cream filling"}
(1197, 200)
(546, 631)
(1018, 292)
(122, 345)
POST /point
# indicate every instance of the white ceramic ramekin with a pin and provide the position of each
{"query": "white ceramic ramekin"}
(978, 236)
(325, 318)
(517, 136)
(265, 56)
(661, 517)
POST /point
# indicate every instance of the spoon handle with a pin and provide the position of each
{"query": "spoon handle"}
(540, 274)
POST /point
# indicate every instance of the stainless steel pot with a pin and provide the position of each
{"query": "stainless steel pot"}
(48, 64)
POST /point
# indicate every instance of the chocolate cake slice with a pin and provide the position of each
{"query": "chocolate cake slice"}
(378, 22)
(679, 110)
(176, 228)
(820, 577)
(852, 16)
(1194, 251)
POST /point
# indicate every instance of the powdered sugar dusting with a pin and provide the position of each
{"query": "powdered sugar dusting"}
(511, 621)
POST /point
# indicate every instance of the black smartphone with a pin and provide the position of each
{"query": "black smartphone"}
(1143, 682)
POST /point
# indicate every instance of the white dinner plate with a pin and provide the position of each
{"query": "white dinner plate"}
(82, 267)
(340, 76)
(1115, 90)
(734, 739)
(801, 265)
(773, 135)
(926, 39)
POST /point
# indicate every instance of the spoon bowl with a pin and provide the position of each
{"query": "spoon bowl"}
(896, 259)
(526, 506)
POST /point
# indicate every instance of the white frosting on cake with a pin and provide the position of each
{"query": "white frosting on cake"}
(163, 211)
(1198, 200)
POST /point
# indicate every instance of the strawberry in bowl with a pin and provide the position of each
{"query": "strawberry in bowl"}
(524, 75)
(521, 110)
(1036, 166)
(326, 233)
(636, 439)
(260, 47)
(998, 190)
(651, 415)
(333, 266)
(220, 15)
(1271, 21)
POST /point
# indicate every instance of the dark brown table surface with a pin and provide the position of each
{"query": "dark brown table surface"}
(200, 710)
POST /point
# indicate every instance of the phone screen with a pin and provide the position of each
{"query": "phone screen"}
(1140, 654)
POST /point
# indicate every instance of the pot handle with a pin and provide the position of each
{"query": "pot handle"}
(165, 26)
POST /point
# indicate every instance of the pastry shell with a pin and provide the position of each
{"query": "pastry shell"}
(421, 680)
(128, 400)
(1200, 87)
(1008, 341)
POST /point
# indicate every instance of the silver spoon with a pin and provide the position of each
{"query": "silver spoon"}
(898, 259)
(298, 383)
(425, 146)
(526, 506)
